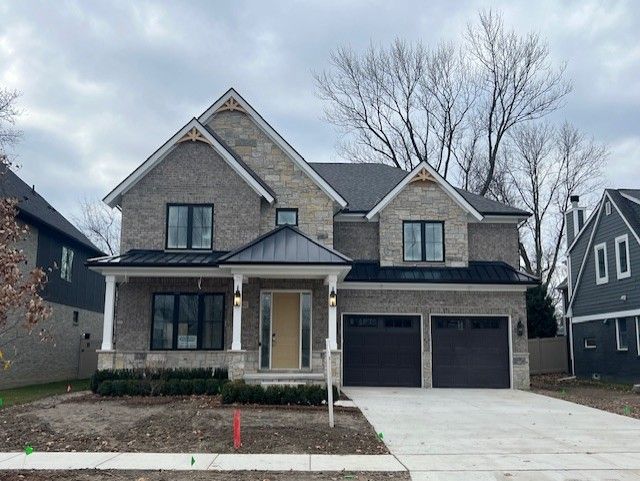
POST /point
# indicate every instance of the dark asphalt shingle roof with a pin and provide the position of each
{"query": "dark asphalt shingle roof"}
(33, 207)
(363, 185)
(284, 245)
(158, 258)
(475, 273)
(630, 209)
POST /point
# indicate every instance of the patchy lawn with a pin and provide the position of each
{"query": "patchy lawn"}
(615, 398)
(21, 395)
(197, 476)
(87, 422)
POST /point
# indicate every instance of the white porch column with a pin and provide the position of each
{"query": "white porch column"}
(236, 344)
(109, 305)
(332, 280)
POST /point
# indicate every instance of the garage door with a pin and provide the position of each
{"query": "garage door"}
(382, 350)
(470, 351)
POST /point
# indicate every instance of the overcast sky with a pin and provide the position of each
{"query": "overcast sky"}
(105, 83)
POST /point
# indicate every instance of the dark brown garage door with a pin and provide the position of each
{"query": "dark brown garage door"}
(470, 351)
(382, 350)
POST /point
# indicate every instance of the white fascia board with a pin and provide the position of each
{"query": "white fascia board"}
(584, 226)
(635, 234)
(277, 139)
(605, 315)
(407, 286)
(113, 198)
(629, 197)
(448, 188)
(292, 271)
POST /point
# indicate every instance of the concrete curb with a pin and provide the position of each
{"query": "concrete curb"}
(202, 461)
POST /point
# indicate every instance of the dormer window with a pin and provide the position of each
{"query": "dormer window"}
(286, 216)
(189, 226)
(423, 241)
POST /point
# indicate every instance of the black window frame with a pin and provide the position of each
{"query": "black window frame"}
(189, 227)
(286, 209)
(176, 315)
(423, 254)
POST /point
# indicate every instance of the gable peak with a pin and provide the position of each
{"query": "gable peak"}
(423, 176)
(193, 135)
(231, 105)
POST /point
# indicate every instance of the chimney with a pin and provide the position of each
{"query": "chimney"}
(574, 219)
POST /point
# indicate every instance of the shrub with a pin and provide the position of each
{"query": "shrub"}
(212, 386)
(104, 389)
(307, 395)
(199, 386)
(221, 373)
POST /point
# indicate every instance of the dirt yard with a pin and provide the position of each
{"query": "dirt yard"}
(615, 398)
(196, 476)
(87, 422)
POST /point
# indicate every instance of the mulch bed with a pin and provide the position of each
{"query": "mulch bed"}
(615, 398)
(88, 422)
(196, 476)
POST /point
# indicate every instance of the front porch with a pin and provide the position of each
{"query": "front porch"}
(265, 320)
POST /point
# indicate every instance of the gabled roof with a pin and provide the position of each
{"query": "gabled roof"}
(33, 207)
(284, 245)
(194, 131)
(423, 171)
(240, 104)
(476, 273)
(363, 185)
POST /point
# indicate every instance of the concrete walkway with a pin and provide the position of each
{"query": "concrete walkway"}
(203, 461)
(454, 434)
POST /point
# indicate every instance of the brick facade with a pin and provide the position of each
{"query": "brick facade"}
(357, 240)
(423, 201)
(293, 188)
(494, 242)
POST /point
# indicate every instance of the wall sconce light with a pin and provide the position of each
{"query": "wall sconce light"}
(520, 328)
(237, 298)
(333, 298)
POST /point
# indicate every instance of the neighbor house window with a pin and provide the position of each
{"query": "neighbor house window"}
(602, 269)
(189, 226)
(589, 343)
(623, 269)
(423, 241)
(622, 335)
(66, 264)
(188, 321)
(607, 208)
(286, 216)
(638, 336)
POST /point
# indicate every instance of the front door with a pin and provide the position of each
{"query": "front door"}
(285, 333)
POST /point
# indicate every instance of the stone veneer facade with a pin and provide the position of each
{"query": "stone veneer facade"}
(423, 200)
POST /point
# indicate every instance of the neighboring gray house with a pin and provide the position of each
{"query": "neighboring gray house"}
(236, 252)
(74, 293)
(602, 292)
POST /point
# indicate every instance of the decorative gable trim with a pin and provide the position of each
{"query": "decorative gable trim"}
(423, 172)
(194, 131)
(233, 101)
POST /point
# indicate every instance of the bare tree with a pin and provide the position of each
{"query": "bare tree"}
(100, 224)
(9, 111)
(399, 105)
(517, 82)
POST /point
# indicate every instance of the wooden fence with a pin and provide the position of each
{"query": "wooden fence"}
(547, 355)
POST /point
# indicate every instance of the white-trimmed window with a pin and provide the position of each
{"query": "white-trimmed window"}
(590, 343)
(638, 336)
(623, 265)
(607, 208)
(622, 335)
(602, 269)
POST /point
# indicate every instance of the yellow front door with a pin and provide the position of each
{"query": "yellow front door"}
(285, 343)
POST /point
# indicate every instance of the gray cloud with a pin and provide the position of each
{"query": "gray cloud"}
(105, 83)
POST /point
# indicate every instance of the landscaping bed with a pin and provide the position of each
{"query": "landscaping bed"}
(615, 398)
(88, 422)
(197, 476)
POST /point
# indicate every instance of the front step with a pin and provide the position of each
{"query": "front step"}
(284, 378)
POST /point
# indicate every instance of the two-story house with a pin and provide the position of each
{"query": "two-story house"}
(602, 292)
(239, 253)
(53, 350)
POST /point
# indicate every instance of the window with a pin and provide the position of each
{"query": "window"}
(453, 323)
(622, 335)
(286, 216)
(589, 343)
(638, 336)
(188, 321)
(602, 269)
(189, 226)
(423, 241)
(607, 208)
(66, 264)
(75, 318)
(623, 269)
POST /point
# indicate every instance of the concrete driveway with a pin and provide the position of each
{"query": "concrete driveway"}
(478, 435)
